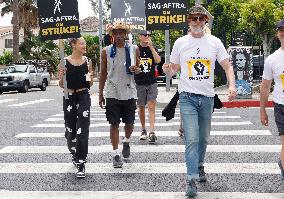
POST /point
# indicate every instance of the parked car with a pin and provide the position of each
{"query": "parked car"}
(21, 77)
(258, 64)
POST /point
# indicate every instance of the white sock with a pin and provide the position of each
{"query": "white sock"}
(115, 152)
(126, 139)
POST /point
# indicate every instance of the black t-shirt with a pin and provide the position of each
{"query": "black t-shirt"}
(147, 74)
(76, 75)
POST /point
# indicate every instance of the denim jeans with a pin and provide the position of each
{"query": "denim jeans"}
(196, 112)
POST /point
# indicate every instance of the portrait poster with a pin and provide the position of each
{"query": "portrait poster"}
(241, 58)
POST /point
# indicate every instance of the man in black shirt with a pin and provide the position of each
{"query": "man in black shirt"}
(146, 84)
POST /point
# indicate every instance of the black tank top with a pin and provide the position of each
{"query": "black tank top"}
(76, 75)
(147, 74)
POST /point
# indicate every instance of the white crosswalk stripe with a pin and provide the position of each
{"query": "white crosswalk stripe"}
(158, 133)
(7, 100)
(30, 102)
(231, 125)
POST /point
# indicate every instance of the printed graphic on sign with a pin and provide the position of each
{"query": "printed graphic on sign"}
(166, 14)
(241, 58)
(145, 64)
(199, 69)
(58, 19)
(128, 9)
(132, 12)
(57, 4)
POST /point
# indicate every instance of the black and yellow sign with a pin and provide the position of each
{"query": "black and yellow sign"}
(166, 14)
(58, 19)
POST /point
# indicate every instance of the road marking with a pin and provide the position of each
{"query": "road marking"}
(133, 194)
(220, 168)
(137, 133)
(146, 149)
(55, 119)
(7, 100)
(31, 102)
(51, 125)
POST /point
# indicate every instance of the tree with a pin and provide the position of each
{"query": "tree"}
(259, 17)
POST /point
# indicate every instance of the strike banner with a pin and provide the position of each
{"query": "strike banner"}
(132, 12)
(166, 14)
(58, 19)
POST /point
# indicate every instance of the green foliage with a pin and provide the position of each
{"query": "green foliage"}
(36, 49)
(217, 81)
(6, 58)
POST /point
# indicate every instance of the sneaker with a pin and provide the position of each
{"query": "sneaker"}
(126, 150)
(152, 138)
(191, 189)
(143, 135)
(202, 176)
(117, 163)
(81, 170)
(281, 168)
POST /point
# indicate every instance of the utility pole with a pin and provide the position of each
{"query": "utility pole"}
(100, 33)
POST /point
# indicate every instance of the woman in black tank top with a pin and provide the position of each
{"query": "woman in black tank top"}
(77, 107)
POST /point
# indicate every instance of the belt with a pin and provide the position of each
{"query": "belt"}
(75, 90)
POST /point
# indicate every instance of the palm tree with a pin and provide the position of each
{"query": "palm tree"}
(24, 16)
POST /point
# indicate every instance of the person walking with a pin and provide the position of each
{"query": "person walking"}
(194, 55)
(79, 77)
(146, 84)
(274, 70)
(120, 92)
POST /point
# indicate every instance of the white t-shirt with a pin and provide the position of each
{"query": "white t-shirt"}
(274, 69)
(197, 57)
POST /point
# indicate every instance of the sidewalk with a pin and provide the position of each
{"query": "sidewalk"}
(164, 97)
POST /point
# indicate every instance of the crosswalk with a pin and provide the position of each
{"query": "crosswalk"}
(235, 170)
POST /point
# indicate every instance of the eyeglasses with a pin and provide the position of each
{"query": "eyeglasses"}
(200, 18)
(146, 35)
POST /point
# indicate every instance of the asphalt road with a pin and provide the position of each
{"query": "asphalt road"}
(241, 162)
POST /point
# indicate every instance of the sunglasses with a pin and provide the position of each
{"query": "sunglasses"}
(199, 18)
(281, 29)
(146, 35)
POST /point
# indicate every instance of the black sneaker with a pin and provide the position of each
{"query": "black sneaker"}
(202, 176)
(143, 135)
(81, 170)
(126, 150)
(180, 132)
(152, 138)
(191, 190)
(117, 163)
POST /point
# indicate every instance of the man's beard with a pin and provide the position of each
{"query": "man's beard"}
(197, 30)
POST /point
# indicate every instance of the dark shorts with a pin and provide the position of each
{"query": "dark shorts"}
(279, 117)
(146, 93)
(116, 109)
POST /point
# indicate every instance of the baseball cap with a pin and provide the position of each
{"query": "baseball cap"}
(280, 24)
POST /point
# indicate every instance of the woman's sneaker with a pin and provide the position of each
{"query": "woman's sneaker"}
(191, 189)
(152, 138)
(81, 170)
(117, 162)
(281, 168)
(143, 135)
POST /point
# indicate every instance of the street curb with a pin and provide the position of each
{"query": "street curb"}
(245, 104)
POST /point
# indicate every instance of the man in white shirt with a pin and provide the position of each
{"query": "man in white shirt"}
(274, 70)
(194, 55)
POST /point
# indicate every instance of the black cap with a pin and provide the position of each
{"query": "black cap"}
(280, 24)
